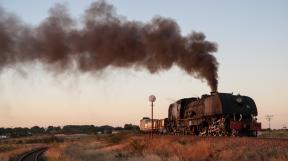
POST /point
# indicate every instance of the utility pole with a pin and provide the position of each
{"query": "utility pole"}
(269, 118)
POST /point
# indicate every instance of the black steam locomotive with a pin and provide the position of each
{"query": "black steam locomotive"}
(218, 114)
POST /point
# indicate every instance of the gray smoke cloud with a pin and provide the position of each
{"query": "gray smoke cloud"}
(104, 38)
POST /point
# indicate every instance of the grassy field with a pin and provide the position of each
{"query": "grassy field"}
(10, 148)
(133, 147)
(127, 147)
(274, 134)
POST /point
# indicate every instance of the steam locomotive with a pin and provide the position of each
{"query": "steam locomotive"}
(217, 114)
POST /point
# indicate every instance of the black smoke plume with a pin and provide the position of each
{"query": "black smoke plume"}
(104, 39)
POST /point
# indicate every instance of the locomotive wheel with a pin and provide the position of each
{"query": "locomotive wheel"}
(215, 127)
(234, 132)
(204, 132)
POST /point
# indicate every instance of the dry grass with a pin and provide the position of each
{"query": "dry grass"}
(12, 150)
(55, 152)
(127, 147)
(169, 148)
(7, 151)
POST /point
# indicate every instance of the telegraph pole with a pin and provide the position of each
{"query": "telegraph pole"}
(269, 118)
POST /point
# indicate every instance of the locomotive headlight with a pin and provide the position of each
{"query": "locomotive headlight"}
(239, 100)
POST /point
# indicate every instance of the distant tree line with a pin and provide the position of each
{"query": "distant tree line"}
(68, 129)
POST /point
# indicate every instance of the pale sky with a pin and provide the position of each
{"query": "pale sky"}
(252, 37)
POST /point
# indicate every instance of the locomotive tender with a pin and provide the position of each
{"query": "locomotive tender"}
(218, 114)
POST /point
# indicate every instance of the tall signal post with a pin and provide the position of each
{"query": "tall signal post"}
(152, 99)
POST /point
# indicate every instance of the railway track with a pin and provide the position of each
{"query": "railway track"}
(34, 155)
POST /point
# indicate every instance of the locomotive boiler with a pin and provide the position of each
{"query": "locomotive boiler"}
(217, 114)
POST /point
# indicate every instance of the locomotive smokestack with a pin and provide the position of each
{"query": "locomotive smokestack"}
(213, 92)
(106, 39)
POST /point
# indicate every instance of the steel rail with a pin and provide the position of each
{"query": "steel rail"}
(34, 154)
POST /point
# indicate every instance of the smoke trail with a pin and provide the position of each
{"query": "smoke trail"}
(106, 39)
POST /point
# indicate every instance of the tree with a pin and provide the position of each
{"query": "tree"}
(131, 127)
(37, 130)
